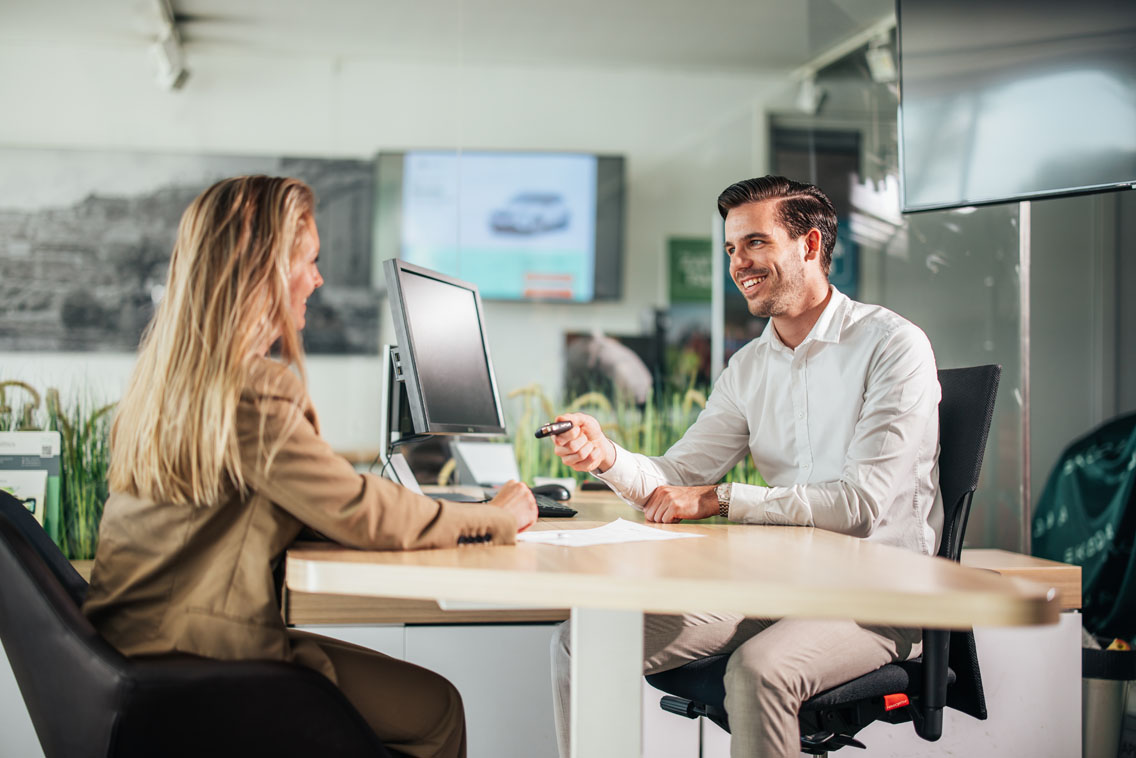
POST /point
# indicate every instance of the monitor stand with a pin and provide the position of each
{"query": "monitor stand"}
(479, 463)
(400, 472)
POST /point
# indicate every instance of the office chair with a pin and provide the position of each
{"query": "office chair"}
(87, 699)
(946, 675)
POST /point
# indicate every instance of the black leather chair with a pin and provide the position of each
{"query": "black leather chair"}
(947, 673)
(86, 699)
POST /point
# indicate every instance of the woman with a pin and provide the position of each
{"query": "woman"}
(217, 464)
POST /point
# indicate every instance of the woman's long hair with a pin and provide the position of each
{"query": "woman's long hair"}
(226, 301)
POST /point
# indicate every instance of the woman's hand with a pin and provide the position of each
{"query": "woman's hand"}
(584, 447)
(518, 500)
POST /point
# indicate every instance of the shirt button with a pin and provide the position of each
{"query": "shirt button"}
(801, 414)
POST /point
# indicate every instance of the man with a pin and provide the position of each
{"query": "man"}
(837, 401)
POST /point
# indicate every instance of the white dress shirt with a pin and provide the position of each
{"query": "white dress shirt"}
(844, 428)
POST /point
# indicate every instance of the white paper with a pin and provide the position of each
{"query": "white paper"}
(619, 530)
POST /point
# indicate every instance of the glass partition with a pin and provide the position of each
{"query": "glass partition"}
(956, 274)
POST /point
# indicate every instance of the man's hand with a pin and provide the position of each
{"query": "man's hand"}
(584, 447)
(518, 500)
(668, 504)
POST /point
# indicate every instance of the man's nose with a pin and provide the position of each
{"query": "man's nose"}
(739, 261)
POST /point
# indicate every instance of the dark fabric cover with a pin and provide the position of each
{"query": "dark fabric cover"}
(1087, 516)
(965, 414)
(86, 699)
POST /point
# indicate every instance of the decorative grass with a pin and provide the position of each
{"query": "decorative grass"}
(650, 429)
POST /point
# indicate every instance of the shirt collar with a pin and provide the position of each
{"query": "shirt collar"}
(831, 322)
(826, 329)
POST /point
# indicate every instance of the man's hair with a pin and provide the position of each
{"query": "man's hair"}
(800, 207)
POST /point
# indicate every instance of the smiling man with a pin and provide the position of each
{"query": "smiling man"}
(837, 402)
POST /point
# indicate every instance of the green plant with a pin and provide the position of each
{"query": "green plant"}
(25, 419)
(649, 429)
(85, 432)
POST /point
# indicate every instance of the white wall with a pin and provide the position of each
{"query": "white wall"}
(686, 135)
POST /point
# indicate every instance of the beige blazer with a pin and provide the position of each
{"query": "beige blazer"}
(198, 579)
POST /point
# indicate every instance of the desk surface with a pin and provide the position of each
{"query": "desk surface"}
(757, 571)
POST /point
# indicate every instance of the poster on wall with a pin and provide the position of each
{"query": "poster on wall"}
(86, 236)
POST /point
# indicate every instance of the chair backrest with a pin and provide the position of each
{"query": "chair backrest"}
(60, 662)
(965, 412)
(24, 522)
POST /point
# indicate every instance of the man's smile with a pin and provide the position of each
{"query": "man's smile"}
(749, 282)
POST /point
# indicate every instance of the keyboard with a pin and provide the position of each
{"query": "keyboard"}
(546, 507)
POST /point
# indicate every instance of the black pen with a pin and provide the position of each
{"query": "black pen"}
(553, 427)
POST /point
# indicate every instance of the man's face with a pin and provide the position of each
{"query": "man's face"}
(765, 263)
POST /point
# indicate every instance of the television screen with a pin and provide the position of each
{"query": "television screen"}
(1006, 100)
(521, 226)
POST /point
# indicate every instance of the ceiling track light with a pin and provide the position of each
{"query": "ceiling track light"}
(881, 60)
(166, 51)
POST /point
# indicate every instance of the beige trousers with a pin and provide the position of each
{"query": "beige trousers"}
(413, 710)
(774, 666)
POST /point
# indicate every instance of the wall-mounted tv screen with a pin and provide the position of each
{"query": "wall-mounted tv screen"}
(1004, 100)
(519, 225)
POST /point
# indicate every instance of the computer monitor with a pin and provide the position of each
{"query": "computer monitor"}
(442, 355)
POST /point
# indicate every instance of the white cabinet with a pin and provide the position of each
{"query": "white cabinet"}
(502, 672)
(504, 677)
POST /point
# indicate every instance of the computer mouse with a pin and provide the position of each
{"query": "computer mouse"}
(554, 491)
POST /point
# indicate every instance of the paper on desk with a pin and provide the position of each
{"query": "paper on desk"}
(619, 530)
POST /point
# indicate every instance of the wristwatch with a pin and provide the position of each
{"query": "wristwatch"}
(724, 491)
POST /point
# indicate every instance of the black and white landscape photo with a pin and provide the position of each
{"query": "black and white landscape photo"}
(86, 237)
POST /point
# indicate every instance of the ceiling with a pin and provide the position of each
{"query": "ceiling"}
(741, 35)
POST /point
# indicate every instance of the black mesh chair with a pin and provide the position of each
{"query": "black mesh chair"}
(86, 699)
(917, 690)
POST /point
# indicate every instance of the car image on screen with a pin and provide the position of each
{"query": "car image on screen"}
(531, 213)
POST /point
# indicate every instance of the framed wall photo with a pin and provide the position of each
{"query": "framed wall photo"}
(86, 237)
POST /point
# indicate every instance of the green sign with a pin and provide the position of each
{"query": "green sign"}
(689, 265)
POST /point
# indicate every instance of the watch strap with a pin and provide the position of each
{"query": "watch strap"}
(724, 492)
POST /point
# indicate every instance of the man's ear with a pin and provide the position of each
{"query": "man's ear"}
(812, 244)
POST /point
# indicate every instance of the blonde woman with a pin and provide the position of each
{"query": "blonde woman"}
(217, 464)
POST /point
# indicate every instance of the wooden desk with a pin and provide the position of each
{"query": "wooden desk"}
(757, 571)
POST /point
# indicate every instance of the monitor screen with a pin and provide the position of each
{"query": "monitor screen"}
(1005, 100)
(443, 353)
(521, 226)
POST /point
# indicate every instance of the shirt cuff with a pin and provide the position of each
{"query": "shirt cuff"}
(748, 503)
(622, 474)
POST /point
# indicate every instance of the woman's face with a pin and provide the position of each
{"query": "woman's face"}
(305, 276)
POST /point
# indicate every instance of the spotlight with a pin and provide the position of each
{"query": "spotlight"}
(166, 52)
(881, 63)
